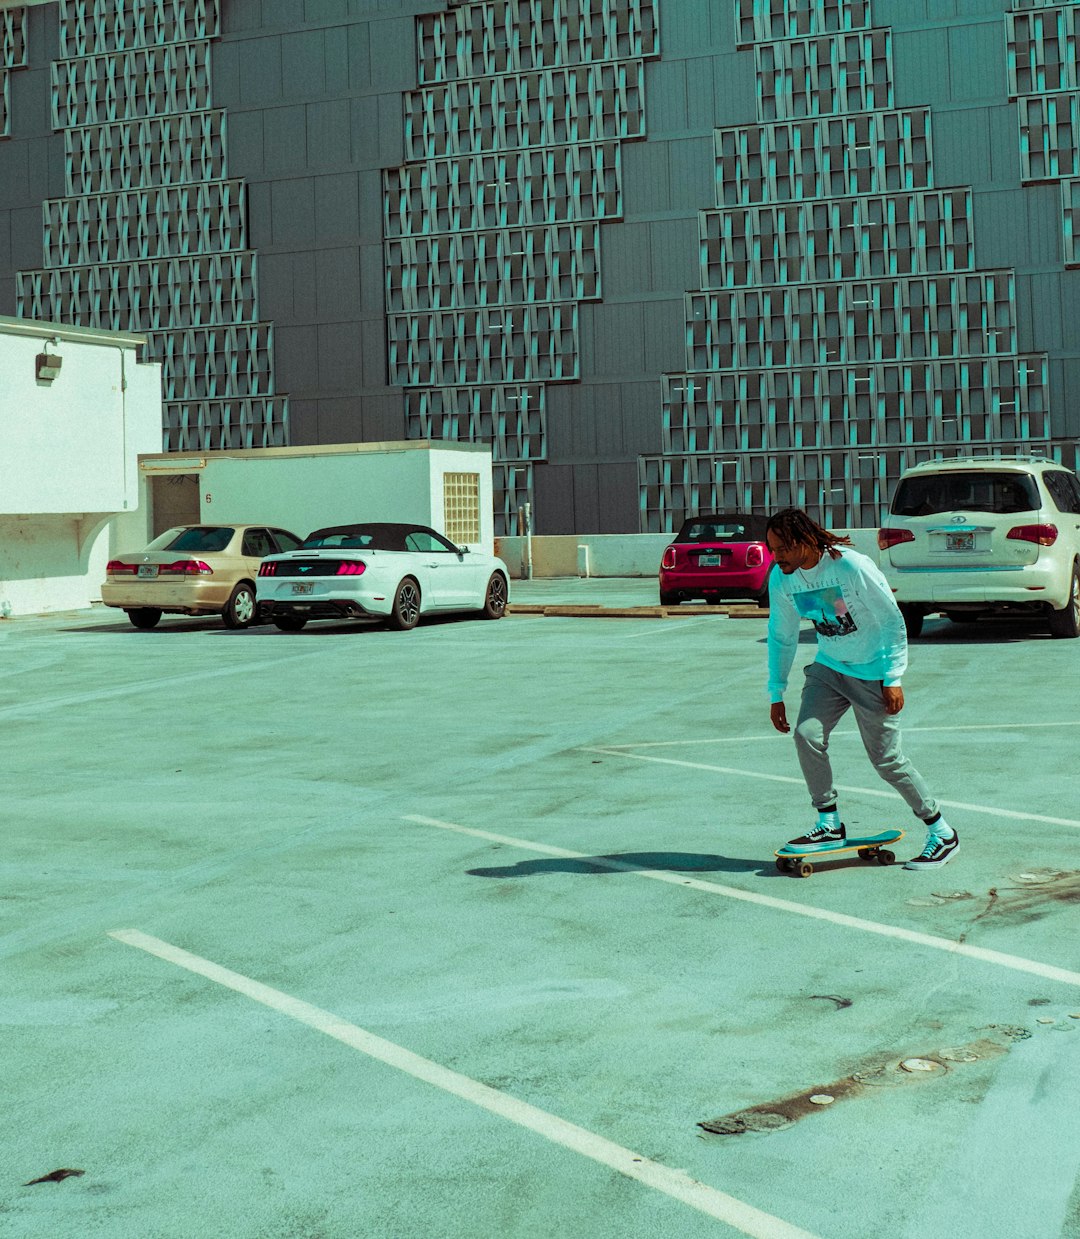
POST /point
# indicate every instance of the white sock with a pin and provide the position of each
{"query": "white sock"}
(941, 828)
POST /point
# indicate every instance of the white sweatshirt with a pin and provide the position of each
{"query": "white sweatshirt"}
(860, 630)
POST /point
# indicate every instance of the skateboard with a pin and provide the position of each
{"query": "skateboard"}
(789, 859)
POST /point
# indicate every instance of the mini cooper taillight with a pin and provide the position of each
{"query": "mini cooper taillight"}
(755, 555)
(351, 567)
(668, 560)
(893, 537)
(1044, 535)
(186, 567)
(268, 569)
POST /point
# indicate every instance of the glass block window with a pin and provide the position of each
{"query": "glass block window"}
(461, 507)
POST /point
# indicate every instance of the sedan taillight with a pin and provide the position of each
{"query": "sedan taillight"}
(1044, 535)
(351, 567)
(755, 555)
(117, 567)
(668, 560)
(892, 537)
(268, 569)
(186, 567)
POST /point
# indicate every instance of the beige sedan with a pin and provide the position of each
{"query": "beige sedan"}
(195, 570)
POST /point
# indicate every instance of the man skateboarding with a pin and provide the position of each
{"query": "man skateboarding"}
(861, 656)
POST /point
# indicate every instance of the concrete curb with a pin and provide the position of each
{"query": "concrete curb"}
(657, 612)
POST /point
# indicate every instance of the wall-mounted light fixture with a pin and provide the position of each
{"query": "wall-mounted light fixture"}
(47, 365)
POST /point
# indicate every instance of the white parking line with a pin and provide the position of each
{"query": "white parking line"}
(673, 1183)
(888, 793)
(849, 731)
(1017, 963)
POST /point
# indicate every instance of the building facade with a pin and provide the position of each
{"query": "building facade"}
(663, 255)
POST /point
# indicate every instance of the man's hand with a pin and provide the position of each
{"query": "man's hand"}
(893, 698)
(778, 715)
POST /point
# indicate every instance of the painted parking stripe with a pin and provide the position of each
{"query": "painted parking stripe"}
(851, 731)
(1017, 963)
(886, 793)
(673, 1183)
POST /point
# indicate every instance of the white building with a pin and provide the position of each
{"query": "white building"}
(76, 410)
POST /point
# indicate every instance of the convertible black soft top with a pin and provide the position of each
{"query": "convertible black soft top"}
(370, 536)
(723, 527)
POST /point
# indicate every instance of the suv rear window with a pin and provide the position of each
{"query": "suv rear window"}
(977, 491)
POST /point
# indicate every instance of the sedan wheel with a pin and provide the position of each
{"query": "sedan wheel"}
(240, 610)
(1066, 622)
(144, 617)
(495, 599)
(405, 613)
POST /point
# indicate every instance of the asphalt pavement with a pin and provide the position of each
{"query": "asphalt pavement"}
(475, 931)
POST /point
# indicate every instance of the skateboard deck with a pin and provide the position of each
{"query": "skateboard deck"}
(799, 861)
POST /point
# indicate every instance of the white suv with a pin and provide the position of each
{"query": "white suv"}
(985, 535)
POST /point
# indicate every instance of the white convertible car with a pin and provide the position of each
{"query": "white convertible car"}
(391, 572)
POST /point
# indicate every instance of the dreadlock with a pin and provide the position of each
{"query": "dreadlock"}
(794, 528)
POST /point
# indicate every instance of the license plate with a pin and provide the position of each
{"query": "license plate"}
(303, 589)
(960, 541)
(709, 561)
(147, 570)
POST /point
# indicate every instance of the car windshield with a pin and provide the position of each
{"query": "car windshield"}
(357, 537)
(199, 538)
(723, 529)
(975, 491)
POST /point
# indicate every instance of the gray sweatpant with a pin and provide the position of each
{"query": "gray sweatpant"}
(826, 697)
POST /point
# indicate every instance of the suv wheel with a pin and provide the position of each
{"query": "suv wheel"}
(1066, 622)
(913, 618)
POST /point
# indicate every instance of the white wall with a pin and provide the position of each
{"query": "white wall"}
(615, 555)
(72, 445)
(68, 458)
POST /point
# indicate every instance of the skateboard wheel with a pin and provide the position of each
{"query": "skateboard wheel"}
(805, 869)
(867, 853)
(782, 863)
(885, 857)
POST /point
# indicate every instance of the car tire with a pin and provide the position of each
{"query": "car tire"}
(405, 613)
(961, 617)
(289, 623)
(1066, 622)
(144, 617)
(913, 619)
(495, 598)
(762, 599)
(669, 600)
(241, 611)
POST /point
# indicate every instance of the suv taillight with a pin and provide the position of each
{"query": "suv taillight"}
(755, 555)
(668, 560)
(116, 567)
(351, 567)
(268, 569)
(891, 537)
(186, 567)
(1044, 535)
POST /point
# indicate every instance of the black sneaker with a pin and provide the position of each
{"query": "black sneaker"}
(937, 852)
(819, 837)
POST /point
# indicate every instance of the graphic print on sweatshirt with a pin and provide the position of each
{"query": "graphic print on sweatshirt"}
(826, 609)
